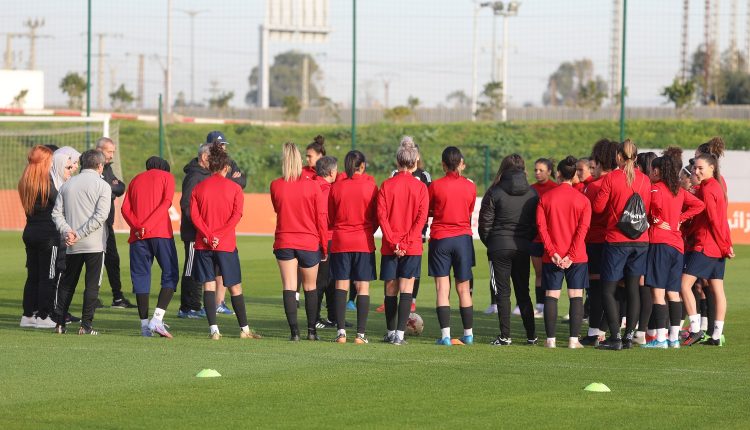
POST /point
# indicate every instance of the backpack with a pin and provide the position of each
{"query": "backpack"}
(633, 222)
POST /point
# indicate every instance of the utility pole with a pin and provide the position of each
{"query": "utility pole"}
(9, 54)
(192, 14)
(506, 10)
(168, 73)
(305, 80)
(100, 68)
(474, 56)
(33, 26)
(615, 51)
(684, 47)
(733, 47)
(141, 67)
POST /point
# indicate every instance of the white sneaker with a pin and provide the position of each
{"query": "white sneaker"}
(45, 323)
(574, 344)
(28, 322)
(517, 311)
(550, 343)
(491, 309)
(538, 314)
(566, 317)
(623, 323)
(639, 338)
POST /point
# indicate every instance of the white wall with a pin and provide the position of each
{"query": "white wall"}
(13, 82)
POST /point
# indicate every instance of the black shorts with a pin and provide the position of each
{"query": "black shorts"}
(594, 252)
(457, 252)
(664, 269)
(536, 249)
(623, 260)
(228, 263)
(305, 259)
(353, 266)
(703, 267)
(392, 267)
(576, 276)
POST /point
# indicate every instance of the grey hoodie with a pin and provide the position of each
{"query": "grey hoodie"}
(82, 207)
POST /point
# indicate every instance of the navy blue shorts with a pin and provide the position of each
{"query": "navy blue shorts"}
(142, 254)
(536, 249)
(594, 252)
(576, 276)
(353, 266)
(620, 261)
(392, 267)
(664, 269)
(305, 259)
(228, 262)
(702, 267)
(457, 252)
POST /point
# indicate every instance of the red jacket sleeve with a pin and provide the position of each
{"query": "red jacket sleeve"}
(715, 220)
(164, 205)
(372, 208)
(128, 215)
(600, 202)
(655, 211)
(583, 227)
(195, 216)
(321, 209)
(691, 206)
(234, 219)
(416, 228)
(382, 210)
(541, 222)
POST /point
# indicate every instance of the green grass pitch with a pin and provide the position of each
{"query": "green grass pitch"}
(120, 380)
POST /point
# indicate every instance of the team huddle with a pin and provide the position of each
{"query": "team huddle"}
(643, 238)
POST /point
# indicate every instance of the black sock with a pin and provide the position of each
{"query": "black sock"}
(467, 316)
(622, 302)
(415, 290)
(363, 309)
(660, 316)
(142, 301)
(391, 309)
(444, 316)
(710, 312)
(576, 316)
(209, 301)
(634, 302)
(596, 311)
(238, 304)
(321, 294)
(290, 309)
(703, 306)
(550, 316)
(165, 296)
(675, 313)
(340, 302)
(331, 302)
(539, 295)
(404, 306)
(647, 304)
(611, 310)
(311, 309)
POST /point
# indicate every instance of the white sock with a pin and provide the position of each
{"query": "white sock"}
(652, 333)
(718, 329)
(674, 333)
(213, 328)
(413, 300)
(593, 332)
(245, 328)
(695, 323)
(573, 339)
(296, 296)
(640, 333)
(400, 334)
(445, 332)
(391, 333)
(704, 323)
(341, 331)
(661, 335)
(159, 314)
(602, 332)
(144, 323)
(468, 332)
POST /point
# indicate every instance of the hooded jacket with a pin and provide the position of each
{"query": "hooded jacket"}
(507, 218)
(194, 174)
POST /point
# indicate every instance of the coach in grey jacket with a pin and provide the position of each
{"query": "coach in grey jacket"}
(80, 215)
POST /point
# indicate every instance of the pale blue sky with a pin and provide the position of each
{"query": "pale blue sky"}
(422, 46)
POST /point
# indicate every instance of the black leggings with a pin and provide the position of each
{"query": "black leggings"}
(504, 266)
(41, 277)
(611, 307)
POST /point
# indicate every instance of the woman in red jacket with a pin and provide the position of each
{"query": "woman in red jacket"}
(352, 210)
(670, 207)
(710, 248)
(622, 257)
(452, 200)
(403, 204)
(543, 173)
(300, 239)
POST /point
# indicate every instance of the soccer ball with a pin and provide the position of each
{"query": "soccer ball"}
(414, 325)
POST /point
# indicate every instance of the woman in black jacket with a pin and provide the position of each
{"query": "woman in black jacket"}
(507, 225)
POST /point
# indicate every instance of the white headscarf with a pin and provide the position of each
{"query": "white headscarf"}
(72, 153)
(59, 160)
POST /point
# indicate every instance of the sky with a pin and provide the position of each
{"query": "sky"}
(420, 48)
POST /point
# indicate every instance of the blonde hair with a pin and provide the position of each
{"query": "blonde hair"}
(291, 162)
(407, 154)
(628, 152)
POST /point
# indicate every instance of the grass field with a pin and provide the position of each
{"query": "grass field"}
(120, 380)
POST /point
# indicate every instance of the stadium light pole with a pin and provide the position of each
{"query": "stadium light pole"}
(622, 70)
(506, 10)
(354, 74)
(88, 76)
(192, 14)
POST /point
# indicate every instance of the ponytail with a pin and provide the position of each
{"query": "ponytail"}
(714, 147)
(628, 152)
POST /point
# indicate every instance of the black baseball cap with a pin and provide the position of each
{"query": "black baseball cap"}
(216, 136)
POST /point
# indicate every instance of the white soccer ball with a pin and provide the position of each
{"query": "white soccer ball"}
(414, 325)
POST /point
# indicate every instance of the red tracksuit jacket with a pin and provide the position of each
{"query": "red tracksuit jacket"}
(216, 209)
(403, 203)
(147, 204)
(563, 217)
(325, 188)
(452, 200)
(710, 229)
(352, 210)
(301, 215)
(541, 189)
(613, 196)
(673, 210)
(598, 230)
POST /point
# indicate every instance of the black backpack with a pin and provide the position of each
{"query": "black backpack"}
(633, 222)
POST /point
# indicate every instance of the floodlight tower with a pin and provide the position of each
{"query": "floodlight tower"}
(684, 48)
(733, 47)
(615, 52)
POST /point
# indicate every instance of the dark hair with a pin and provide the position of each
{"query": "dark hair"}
(604, 153)
(452, 158)
(325, 165)
(52, 147)
(547, 162)
(352, 162)
(669, 166)
(318, 145)
(715, 147)
(217, 157)
(509, 163)
(91, 159)
(157, 163)
(643, 161)
(567, 167)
